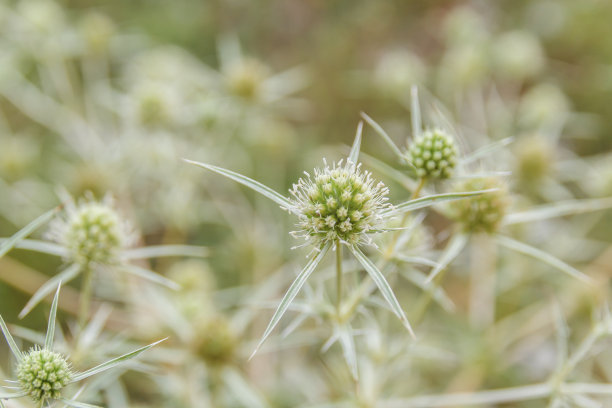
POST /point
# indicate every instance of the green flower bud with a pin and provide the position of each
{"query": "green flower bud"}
(215, 342)
(92, 232)
(433, 154)
(43, 374)
(485, 212)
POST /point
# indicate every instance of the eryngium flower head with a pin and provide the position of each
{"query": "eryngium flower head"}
(433, 154)
(339, 203)
(92, 232)
(43, 374)
(215, 342)
(485, 212)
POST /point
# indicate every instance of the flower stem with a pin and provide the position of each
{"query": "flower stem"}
(338, 276)
(86, 289)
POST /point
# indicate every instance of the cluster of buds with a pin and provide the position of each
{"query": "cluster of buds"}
(485, 212)
(339, 203)
(92, 232)
(43, 374)
(433, 154)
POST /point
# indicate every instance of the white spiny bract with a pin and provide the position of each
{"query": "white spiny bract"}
(92, 232)
(433, 154)
(43, 374)
(339, 203)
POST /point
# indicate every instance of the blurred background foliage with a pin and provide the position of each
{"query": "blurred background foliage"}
(108, 96)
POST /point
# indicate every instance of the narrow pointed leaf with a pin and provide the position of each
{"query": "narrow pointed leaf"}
(113, 363)
(416, 260)
(347, 342)
(386, 170)
(292, 293)
(381, 132)
(427, 201)
(245, 181)
(13, 395)
(39, 246)
(544, 257)
(77, 404)
(66, 275)
(151, 276)
(415, 108)
(452, 250)
(559, 209)
(52, 315)
(354, 154)
(380, 281)
(155, 251)
(437, 293)
(27, 230)
(9, 339)
(486, 150)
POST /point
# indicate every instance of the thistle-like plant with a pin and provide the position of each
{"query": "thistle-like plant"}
(43, 374)
(91, 236)
(340, 205)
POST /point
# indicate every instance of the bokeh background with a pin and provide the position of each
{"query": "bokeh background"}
(107, 97)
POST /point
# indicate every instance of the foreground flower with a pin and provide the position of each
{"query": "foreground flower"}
(338, 206)
(339, 203)
(43, 374)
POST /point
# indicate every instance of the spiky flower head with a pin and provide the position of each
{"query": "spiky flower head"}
(482, 213)
(43, 374)
(244, 79)
(339, 203)
(216, 342)
(92, 232)
(433, 154)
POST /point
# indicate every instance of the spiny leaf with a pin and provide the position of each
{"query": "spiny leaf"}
(77, 404)
(9, 339)
(559, 209)
(151, 276)
(486, 150)
(52, 315)
(155, 251)
(543, 256)
(452, 250)
(292, 293)
(27, 230)
(427, 201)
(39, 246)
(381, 132)
(380, 281)
(354, 154)
(348, 349)
(113, 363)
(66, 275)
(252, 184)
(415, 112)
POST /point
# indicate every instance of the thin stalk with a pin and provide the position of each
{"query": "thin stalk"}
(86, 291)
(482, 286)
(338, 276)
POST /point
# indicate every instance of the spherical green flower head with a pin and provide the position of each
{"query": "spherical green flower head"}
(482, 213)
(433, 154)
(43, 374)
(216, 342)
(339, 203)
(93, 234)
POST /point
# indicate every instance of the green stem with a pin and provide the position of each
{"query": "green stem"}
(338, 276)
(86, 290)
